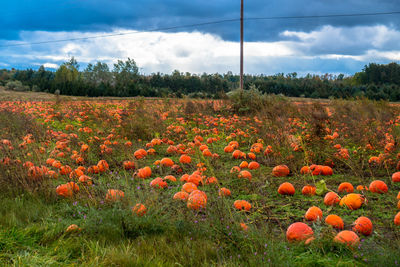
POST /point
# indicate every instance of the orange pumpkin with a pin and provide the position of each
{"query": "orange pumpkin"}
(75, 174)
(211, 180)
(397, 219)
(347, 237)
(313, 214)
(158, 183)
(182, 195)
(251, 156)
(185, 159)
(245, 175)
(224, 192)
(67, 190)
(280, 171)
(228, 149)
(170, 178)
(52, 174)
(184, 178)
(93, 169)
(56, 164)
(114, 195)
(50, 161)
(195, 178)
(144, 173)
(207, 153)
(352, 201)
(244, 165)
(35, 173)
(73, 228)
(316, 169)
(378, 186)
(167, 162)
(236, 154)
(396, 177)
(305, 170)
(65, 170)
(335, 221)
(189, 187)
(308, 190)
(299, 232)
(197, 200)
(139, 209)
(253, 165)
(331, 198)
(244, 227)
(286, 189)
(346, 187)
(326, 170)
(129, 165)
(140, 153)
(235, 169)
(86, 180)
(103, 165)
(361, 188)
(363, 225)
(242, 205)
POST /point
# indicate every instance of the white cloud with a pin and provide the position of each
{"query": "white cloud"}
(323, 50)
(51, 65)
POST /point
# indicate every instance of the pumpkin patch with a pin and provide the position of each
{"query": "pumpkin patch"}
(219, 180)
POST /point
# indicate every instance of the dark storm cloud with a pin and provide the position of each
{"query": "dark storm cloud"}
(103, 15)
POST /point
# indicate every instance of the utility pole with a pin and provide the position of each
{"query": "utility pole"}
(241, 45)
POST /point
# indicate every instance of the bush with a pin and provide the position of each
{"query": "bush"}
(16, 86)
(252, 101)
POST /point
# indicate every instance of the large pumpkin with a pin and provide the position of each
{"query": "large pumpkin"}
(363, 225)
(347, 237)
(335, 221)
(352, 201)
(331, 198)
(313, 214)
(286, 189)
(299, 232)
(378, 186)
(197, 200)
(280, 171)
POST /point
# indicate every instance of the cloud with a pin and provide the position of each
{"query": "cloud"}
(50, 65)
(345, 40)
(104, 15)
(327, 49)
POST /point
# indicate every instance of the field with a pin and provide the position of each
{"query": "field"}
(96, 182)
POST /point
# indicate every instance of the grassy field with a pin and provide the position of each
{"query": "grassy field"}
(34, 216)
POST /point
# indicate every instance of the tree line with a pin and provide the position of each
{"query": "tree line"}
(375, 81)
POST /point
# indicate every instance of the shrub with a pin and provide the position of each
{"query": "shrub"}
(16, 86)
(253, 101)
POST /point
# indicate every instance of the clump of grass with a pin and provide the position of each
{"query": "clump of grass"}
(143, 123)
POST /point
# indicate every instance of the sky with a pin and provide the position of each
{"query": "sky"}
(313, 45)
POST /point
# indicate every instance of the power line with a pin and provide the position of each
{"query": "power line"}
(123, 33)
(326, 16)
(203, 24)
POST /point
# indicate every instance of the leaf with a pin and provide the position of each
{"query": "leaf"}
(321, 188)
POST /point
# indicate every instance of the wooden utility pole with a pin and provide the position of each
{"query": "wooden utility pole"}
(241, 45)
